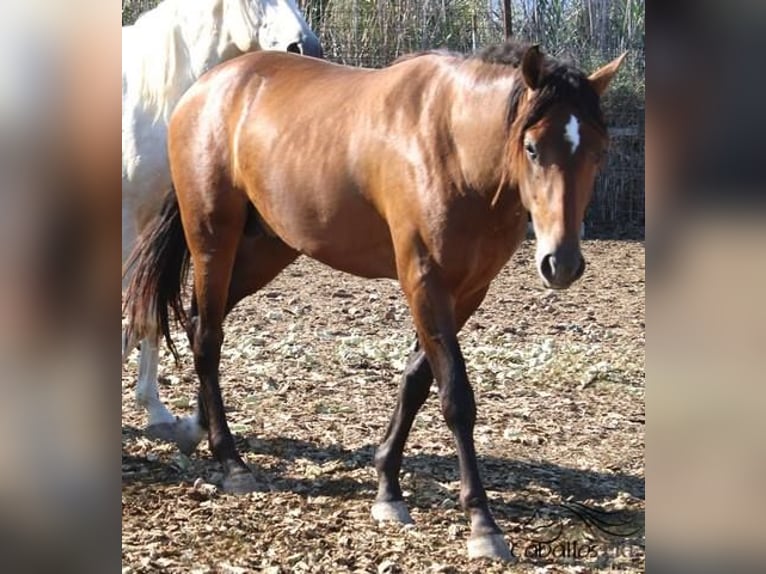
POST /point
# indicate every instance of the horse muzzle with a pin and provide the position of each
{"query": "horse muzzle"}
(561, 268)
(308, 45)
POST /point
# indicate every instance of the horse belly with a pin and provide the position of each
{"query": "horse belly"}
(340, 229)
(370, 257)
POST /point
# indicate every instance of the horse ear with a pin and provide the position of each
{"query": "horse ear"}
(532, 66)
(600, 78)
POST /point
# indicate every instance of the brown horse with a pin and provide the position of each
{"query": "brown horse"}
(423, 172)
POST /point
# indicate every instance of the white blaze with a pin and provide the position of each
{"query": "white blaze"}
(572, 133)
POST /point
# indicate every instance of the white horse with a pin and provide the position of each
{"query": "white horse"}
(163, 53)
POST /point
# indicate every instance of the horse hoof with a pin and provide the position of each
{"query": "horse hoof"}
(162, 431)
(395, 511)
(491, 546)
(188, 435)
(240, 483)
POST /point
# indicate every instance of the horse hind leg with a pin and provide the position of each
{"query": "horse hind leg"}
(214, 236)
(212, 240)
(259, 260)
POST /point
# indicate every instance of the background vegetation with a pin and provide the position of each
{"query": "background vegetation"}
(590, 32)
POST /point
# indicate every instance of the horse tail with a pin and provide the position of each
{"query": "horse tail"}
(160, 266)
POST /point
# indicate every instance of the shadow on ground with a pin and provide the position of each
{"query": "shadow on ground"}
(499, 474)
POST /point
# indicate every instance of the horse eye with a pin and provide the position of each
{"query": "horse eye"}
(531, 150)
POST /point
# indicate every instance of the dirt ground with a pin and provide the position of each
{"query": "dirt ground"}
(310, 371)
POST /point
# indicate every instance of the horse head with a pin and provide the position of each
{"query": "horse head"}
(269, 25)
(558, 143)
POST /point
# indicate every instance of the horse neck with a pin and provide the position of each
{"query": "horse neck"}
(478, 123)
(204, 35)
(174, 44)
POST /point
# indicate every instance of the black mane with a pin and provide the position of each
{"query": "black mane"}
(508, 53)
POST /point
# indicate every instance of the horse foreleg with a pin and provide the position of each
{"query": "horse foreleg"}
(458, 408)
(459, 411)
(147, 395)
(413, 392)
(437, 319)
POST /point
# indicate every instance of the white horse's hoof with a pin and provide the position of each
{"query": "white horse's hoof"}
(491, 546)
(162, 431)
(188, 435)
(395, 511)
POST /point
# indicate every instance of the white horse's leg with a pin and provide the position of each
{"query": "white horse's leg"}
(161, 423)
(186, 432)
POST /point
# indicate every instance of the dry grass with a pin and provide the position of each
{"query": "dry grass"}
(310, 371)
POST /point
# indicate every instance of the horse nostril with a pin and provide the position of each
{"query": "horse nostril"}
(548, 267)
(295, 48)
